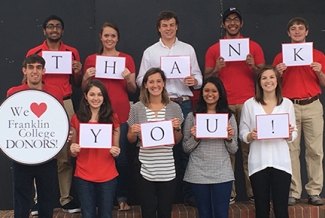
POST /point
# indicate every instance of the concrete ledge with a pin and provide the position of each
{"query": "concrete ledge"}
(237, 210)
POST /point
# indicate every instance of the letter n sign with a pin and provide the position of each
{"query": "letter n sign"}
(234, 49)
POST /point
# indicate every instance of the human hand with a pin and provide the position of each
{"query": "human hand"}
(231, 132)
(190, 81)
(220, 63)
(281, 67)
(75, 149)
(90, 72)
(76, 66)
(126, 74)
(317, 67)
(115, 151)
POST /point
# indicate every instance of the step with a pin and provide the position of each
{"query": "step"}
(236, 210)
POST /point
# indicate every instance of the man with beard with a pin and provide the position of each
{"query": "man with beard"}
(53, 29)
(238, 79)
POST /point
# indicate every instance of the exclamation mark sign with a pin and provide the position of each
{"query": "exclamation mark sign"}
(272, 126)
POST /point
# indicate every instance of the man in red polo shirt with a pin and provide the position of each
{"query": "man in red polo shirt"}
(45, 173)
(301, 85)
(238, 79)
(53, 28)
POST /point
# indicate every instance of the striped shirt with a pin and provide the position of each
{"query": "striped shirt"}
(157, 163)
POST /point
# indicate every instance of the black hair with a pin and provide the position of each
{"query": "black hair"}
(34, 58)
(222, 105)
(52, 17)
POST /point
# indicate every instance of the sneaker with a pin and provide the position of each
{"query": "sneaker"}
(34, 210)
(232, 200)
(71, 207)
(251, 199)
(292, 201)
(315, 200)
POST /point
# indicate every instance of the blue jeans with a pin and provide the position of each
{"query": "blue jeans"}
(122, 165)
(212, 199)
(181, 156)
(45, 175)
(92, 194)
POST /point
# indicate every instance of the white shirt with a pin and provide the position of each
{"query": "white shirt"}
(266, 153)
(151, 58)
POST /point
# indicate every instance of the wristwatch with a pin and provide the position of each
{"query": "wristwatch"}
(177, 129)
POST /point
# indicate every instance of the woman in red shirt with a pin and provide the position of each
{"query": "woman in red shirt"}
(95, 174)
(118, 90)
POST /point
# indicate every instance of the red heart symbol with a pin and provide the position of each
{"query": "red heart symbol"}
(38, 109)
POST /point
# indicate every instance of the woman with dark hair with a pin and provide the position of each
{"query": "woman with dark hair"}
(118, 92)
(209, 169)
(95, 174)
(158, 176)
(269, 165)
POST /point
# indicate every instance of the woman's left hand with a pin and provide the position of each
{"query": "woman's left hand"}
(231, 132)
(126, 73)
(176, 123)
(115, 151)
(291, 128)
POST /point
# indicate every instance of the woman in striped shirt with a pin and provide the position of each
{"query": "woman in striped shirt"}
(158, 181)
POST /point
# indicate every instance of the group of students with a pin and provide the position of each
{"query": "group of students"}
(206, 164)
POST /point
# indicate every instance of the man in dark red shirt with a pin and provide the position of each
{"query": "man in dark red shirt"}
(53, 29)
(45, 173)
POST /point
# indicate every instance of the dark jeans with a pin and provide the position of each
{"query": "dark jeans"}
(92, 194)
(157, 198)
(181, 156)
(45, 176)
(212, 199)
(122, 165)
(271, 181)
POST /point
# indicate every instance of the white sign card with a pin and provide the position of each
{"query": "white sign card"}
(272, 126)
(109, 67)
(157, 133)
(176, 67)
(234, 49)
(297, 54)
(34, 127)
(95, 135)
(212, 125)
(58, 62)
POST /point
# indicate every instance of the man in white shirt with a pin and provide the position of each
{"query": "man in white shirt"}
(179, 90)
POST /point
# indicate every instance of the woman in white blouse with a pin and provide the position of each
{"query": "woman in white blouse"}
(269, 165)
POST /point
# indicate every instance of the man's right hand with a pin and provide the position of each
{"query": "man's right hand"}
(220, 63)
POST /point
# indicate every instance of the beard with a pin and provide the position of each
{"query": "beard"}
(51, 39)
(54, 39)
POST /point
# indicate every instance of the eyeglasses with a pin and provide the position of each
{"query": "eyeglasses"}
(51, 27)
(229, 20)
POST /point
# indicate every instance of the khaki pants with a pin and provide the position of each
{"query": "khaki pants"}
(65, 168)
(309, 118)
(236, 108)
